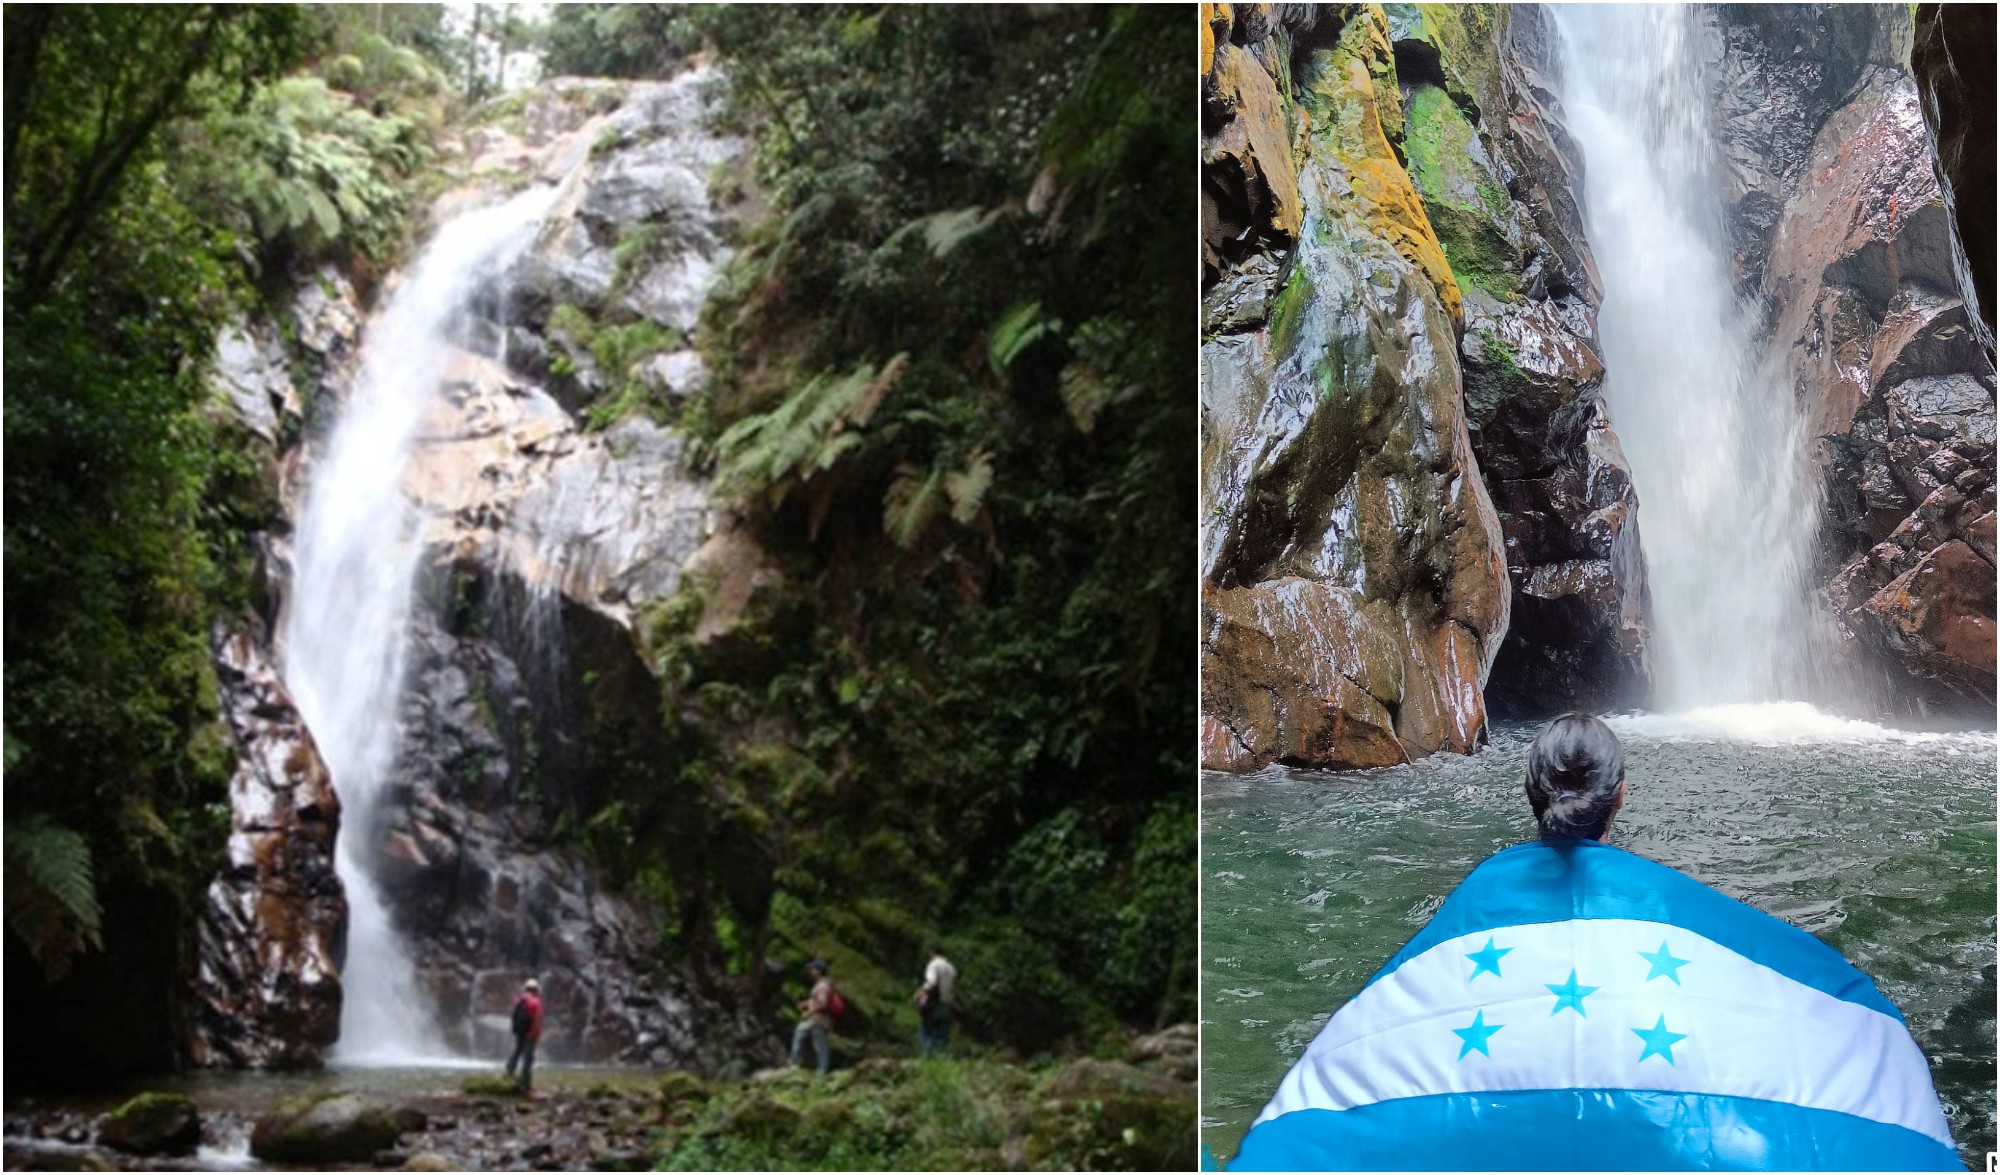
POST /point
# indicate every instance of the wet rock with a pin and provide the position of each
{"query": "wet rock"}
(31, 1157)
(274, 926)
(1866, 279)
(342, 1128)
(1247, 163)
(251, 376)
(1938, 618)
(1956, 77)
(153, 1124)
(1176, 1050)
(429, 1161)
(1577, 636)
(1355, 592)
(1780, 71)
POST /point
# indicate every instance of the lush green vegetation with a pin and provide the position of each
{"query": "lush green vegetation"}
(950, 1116)
(951, 398)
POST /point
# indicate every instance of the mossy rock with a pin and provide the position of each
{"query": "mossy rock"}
(153, 1124)
(1106, 1115)
(1463, 196)
(492, 1087)
(679, 1085)
(342, 1128)
(759, 1117)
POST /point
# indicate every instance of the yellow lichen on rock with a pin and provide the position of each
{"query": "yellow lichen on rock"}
(1352, 87)
(1257, 139)
(1215, 20)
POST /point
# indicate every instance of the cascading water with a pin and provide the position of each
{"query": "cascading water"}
(1728, 507)
(354, 564)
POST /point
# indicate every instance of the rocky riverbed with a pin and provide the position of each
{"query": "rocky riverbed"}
(1134, 1113)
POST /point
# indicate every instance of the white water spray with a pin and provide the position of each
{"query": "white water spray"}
(1728, 506)
(346, 632)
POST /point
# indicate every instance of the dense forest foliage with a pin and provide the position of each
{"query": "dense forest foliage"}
(952, 393)
(951, 399)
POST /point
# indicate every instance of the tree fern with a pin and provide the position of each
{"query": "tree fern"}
(51, 894)
(809, 432)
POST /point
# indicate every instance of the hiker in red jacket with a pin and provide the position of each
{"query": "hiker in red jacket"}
(527, 1032)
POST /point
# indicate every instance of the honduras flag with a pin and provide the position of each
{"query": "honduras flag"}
(1577, 1007)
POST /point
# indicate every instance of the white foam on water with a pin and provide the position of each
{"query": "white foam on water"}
(1776, 724)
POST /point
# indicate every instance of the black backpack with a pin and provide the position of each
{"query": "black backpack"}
(520, 1017)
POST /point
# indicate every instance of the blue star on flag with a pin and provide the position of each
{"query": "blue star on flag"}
(1569, 995)
(1475, 1035)
(1487, 959)
(1664, 963)
(1659, 1042)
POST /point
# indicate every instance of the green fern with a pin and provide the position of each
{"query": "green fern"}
(1017, 330)
(911, 505)
(51, 893)
(808, 433)
(311, 169)
(967, 487)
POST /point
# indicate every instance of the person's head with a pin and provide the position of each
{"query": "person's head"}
(531, 987)
(1576, 778)
(937, 949)
(816, 968)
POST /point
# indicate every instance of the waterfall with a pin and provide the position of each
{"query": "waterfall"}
(356, 555)
(1728, 504)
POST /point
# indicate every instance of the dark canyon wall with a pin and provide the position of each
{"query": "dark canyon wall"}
(1417, 510)
(1847, 238)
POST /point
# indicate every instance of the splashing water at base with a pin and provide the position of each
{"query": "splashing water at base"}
(1728, 508)
(354, 565)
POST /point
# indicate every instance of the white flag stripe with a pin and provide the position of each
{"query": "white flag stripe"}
(1745, 1030)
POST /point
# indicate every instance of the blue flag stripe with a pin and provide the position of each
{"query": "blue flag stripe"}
(1585, 1129)
(1536, 883)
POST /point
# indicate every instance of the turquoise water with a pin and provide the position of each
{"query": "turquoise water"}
(1880, 843)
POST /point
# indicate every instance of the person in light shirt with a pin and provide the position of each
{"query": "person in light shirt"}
(934, 1003)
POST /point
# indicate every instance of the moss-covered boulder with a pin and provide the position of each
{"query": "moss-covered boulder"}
(1110, 1116)
(153, 1124)
(342, 1128)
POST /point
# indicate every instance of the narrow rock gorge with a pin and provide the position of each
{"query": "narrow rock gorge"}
(1420, 488)
(1418, 513)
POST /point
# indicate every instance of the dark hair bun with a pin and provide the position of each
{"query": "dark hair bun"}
(1574, 769)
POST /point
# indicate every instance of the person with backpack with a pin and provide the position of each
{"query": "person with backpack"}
(821, 1009)
(934, 1002)
(527, 1033)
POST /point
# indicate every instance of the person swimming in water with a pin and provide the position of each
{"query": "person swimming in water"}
(1572, 1006)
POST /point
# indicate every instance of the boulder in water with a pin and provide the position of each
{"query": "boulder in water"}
(153, 1124)
(340, 1128)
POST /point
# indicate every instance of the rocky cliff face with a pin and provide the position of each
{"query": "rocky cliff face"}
(274, 929)
(1500, 179)
(1400, 308)
(1846, 235)
(556, 512)
(1353, 564)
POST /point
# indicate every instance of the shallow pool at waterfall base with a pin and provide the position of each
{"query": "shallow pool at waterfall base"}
(1879, 842)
